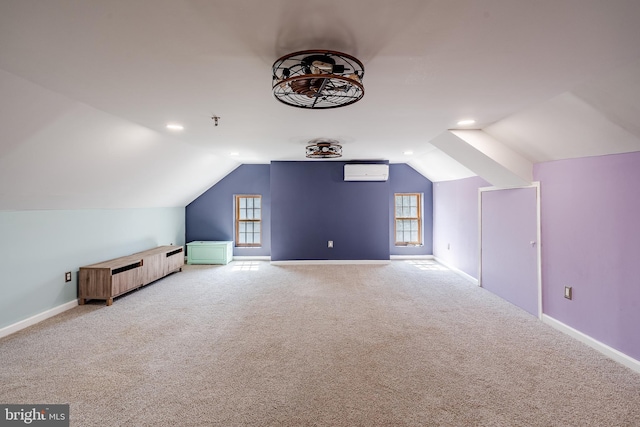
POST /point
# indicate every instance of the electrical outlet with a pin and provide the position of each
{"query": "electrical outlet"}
(67, 276)
(330, 243)
(568, 292)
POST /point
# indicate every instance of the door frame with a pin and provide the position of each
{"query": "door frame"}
(536, 185)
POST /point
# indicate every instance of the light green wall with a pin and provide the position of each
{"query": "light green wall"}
(38, 247)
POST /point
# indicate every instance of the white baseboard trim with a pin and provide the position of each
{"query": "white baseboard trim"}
(8, 330)
(330, 262)
(459, 272)
(394, 257)
(251, 258)
(610, 352)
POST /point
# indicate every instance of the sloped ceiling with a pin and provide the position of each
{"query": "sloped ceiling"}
(86, 88)
(597, 117)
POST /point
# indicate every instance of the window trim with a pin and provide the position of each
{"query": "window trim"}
(419, 218)
(238, 221)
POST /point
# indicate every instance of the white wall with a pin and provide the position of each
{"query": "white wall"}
(38, 247)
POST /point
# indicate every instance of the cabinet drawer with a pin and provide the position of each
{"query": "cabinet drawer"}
(126, 281)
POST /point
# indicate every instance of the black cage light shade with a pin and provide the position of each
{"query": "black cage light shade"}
(318, 79)
(322, 148)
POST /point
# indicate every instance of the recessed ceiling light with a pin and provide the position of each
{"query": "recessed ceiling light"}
(466, 122)
(175, 126)
(408, 153)
(234, 153)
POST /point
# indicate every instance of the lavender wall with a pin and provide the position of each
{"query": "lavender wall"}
(509, 261)
(311, 204)
(590, 210)
(211, 216)
(455, 223)
(404, 179)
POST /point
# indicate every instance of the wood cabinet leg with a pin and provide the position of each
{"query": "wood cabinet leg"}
(109, 301)
(81, 301)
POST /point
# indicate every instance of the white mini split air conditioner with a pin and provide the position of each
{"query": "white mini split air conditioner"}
(365, 172)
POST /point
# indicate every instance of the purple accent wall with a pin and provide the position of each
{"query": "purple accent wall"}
(404, 179)
(312, 204)
(455, 223)
(211, 216)
(590, 219)
(509, 260)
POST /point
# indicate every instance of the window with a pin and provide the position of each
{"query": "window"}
(408, 219)
(248, 220)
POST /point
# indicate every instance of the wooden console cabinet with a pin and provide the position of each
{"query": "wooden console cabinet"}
(106, 280)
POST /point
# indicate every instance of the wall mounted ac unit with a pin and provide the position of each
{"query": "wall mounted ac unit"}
(365, 172)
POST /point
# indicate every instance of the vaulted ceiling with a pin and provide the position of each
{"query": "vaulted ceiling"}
(87, 88)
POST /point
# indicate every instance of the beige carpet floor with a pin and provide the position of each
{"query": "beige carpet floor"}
(252, 344)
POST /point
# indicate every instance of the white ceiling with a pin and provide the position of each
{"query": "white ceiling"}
(87, 87)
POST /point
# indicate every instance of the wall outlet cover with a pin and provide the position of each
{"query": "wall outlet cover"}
(67, 276)
(568, 292)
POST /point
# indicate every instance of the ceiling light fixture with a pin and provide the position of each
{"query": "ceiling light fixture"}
(408, 153)
(466, 122)
(322, 148)
(175, 126)
(318, 79)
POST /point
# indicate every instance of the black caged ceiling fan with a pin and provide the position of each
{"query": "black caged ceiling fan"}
(318, 79)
